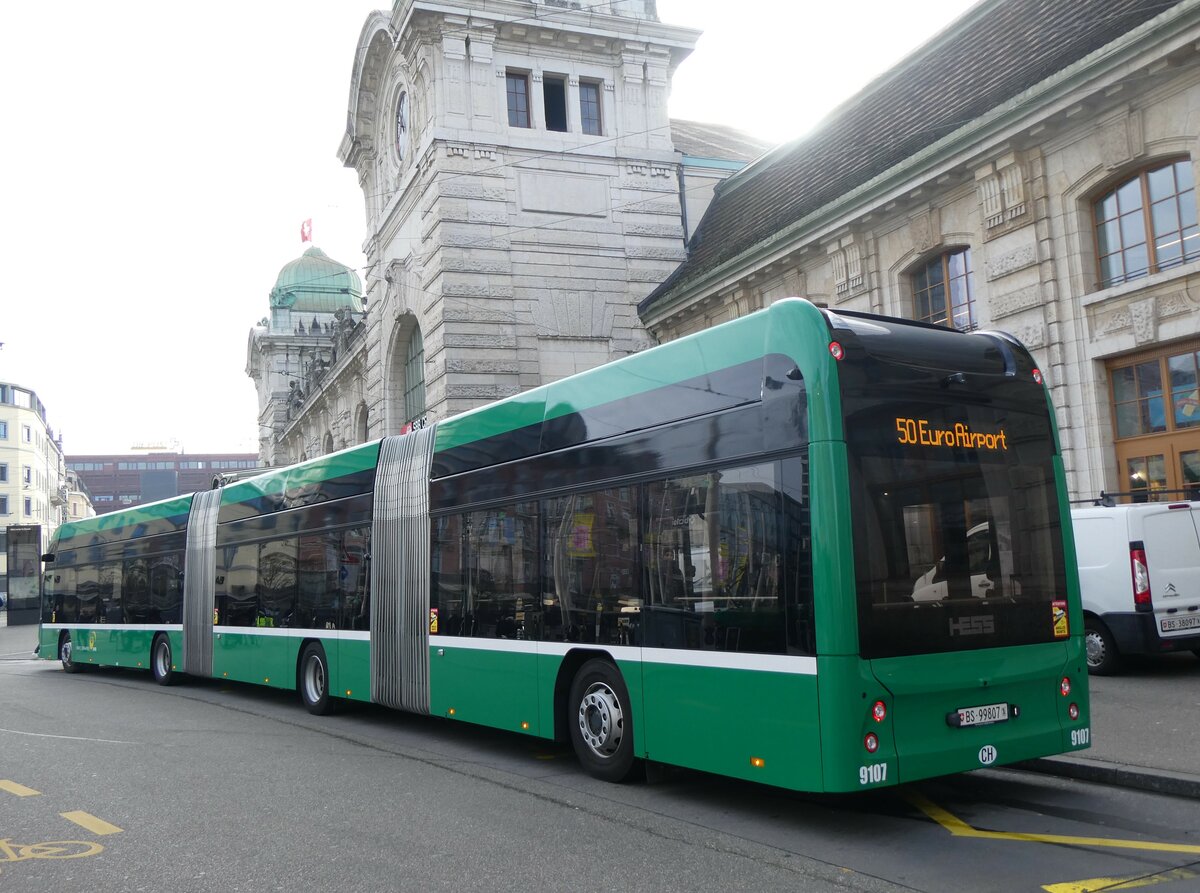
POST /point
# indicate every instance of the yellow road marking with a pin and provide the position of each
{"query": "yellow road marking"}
(959, 828)
(89, 821)
(19, 789)
(1118, 883)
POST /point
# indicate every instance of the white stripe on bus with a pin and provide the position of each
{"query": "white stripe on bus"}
(772, 663)
(732, 660)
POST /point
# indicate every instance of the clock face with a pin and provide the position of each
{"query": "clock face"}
(402, 125)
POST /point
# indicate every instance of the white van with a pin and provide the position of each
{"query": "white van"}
(1139, 574)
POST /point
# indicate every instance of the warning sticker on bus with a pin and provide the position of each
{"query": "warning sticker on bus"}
(1061, 626)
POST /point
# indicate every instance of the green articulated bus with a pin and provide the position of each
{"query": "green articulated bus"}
(820, 550)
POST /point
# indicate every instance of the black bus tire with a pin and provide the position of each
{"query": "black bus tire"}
(601, 722)
(66, 654)
(312, 680)
(1101, 650)
(161, 660)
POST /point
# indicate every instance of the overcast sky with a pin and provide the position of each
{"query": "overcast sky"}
(160, 157)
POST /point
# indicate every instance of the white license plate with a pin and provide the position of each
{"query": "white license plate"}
(1189, 621)
(982, 716)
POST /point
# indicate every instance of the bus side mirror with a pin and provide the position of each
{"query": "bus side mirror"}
(48, 558)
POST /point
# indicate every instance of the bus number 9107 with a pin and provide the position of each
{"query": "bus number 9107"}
(872, 774)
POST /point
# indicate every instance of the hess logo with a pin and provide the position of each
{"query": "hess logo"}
(973, 626)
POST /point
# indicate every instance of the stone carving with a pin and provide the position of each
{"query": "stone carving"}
(1011, 262)
(847, 268)
(1015, 302)
(1144, 315)
(923, 231)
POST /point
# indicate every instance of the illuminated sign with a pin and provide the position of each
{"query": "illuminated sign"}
(920, 431)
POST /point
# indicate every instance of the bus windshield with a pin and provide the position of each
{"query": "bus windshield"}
(955, 510)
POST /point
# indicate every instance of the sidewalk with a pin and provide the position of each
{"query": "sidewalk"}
(1145, 722)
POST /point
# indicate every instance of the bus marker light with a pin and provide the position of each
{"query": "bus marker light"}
(757, 762)
(879, 711)
(524, 726)
(837, 350)
(1037, 375)
(1065, 686)
(266, 679)
(871, 743)
(348, 692)
(1073, 711)
(450, 712)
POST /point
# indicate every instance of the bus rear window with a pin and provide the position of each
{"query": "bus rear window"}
(957, 532)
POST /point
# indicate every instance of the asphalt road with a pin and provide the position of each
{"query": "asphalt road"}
(211, 786)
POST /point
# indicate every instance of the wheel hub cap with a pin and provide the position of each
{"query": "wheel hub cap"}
(601, 720)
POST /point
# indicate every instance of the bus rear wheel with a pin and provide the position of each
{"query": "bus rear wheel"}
(313, 680)
(65, 652)
(600, 720)
(161, 661)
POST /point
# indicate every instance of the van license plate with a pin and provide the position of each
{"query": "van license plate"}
(982, 716)
(1170, 624)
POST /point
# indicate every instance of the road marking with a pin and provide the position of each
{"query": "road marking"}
(65, 737)
(19, 789)
(959, 828)
(1120, 883)
(89, 821)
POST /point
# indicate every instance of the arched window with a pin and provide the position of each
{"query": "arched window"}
(414, 378)
(1147, 223)
(942, 290)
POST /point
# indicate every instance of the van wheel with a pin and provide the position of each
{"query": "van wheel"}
(1102, 656)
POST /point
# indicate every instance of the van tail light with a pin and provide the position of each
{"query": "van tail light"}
(1141, 576)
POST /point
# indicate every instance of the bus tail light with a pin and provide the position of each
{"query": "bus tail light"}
(1037, 375)
(1140, 570)
(879, 711)
(1073, 711)
(871, 742)
(836, 350)
(1065, 686)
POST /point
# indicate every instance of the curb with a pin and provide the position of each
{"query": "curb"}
(1159, 781)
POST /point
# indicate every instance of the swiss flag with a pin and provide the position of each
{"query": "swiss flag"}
(306, 230)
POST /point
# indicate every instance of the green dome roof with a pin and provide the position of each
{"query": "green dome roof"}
(314, 282)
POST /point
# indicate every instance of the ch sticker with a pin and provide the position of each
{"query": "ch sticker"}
(433, 618)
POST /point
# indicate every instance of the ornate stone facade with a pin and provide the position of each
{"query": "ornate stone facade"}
(500, 255)
(1018, 187)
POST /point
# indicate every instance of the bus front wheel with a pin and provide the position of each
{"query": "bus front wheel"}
(600, 720)
(314, 680)
(161, 661)
(65, 652)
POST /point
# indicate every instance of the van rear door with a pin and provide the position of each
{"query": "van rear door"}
(1172, 542)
